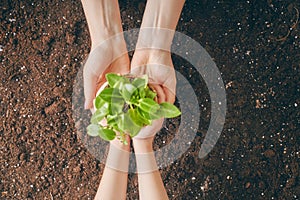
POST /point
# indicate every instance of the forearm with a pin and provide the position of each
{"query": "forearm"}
(150, 183)
(162, 14)
(103, 18)
(115, 174)
(159, 22)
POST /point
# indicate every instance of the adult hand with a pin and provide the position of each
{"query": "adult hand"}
(158, 65)
(109, 53)
(109, 57)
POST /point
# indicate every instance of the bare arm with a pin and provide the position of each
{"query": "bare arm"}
(108, 50)
(154, 43)
(113, 184)
(162, 15)
(103, 18)
(150, 183)
(153, 47)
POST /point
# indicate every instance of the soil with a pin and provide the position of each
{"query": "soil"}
(255, 45)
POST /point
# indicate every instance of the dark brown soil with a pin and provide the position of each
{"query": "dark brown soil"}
(256, 46)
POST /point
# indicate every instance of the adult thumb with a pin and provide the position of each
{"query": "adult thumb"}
(90, 84)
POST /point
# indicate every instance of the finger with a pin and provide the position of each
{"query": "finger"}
(161, 97)
(169, 95)
(89, 83)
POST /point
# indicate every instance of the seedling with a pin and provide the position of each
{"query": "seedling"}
(127, 104)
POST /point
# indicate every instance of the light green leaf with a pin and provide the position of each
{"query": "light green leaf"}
(119, 85)
(156, 115)
(116, 106)
(149, 93)
(110, 94)
(107, 134)
(137, 118)
(112, 122)
(169, 110)
(132, 127)
(97, 130)
(121, 122)
(93, 129)
(148, 105)
(128, 90)
(110, 119)
(150, 116)
(139, 82)
(144, 115)
(127, 125)
(142, 92)
(100, 114)
(113, 79)
(99, 102)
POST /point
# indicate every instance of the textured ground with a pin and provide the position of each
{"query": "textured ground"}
(255, 45)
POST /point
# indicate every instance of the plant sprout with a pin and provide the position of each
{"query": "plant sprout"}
(127, 104)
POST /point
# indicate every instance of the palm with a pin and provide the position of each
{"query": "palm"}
(104, 59)
(119, 66)
(160, 70)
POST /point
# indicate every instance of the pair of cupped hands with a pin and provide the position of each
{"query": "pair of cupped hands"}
(111, 56)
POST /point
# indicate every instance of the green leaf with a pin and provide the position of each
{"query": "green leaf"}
(100, 114)
(97, 130)
(110, 94)
(119, 85)
(144, 115)
(111, 119)
(128, 90)
(112, 122)
(137, 118)
(127, 125)
(156, 115)
(116, 106)
(148, 105)
(150, 115)
(169, 110)
(139, 82)
(107, 134)
(99, 102)
(149, 93)
(142, 93)
(120, 122)
(132, 127)
(93, 129)
(113, 79)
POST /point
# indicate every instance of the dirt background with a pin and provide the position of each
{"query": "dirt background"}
(255, 45)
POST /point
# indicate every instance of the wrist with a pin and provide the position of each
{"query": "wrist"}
(151, 56)
(155, 38)
(118, 156)
(116, 143)
(115, 40)
(144, 145)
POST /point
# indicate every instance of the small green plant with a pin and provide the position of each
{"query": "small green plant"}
(127, 104)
